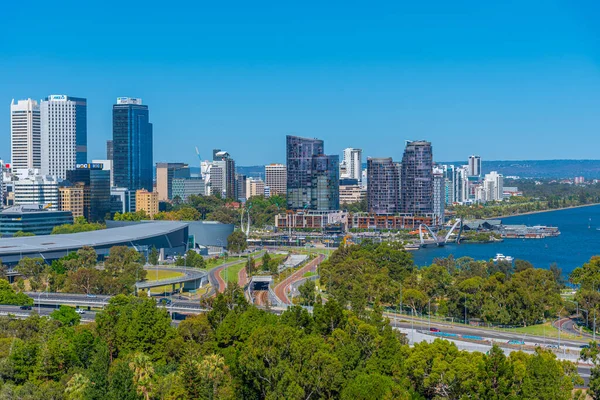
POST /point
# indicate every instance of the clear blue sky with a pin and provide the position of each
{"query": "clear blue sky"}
(518, 80)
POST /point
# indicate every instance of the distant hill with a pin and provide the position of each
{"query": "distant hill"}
(590, 169)
(558, 169)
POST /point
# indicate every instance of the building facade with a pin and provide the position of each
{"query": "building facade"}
(185, 187)
(109, 150)
(383, 190)
(439, 195)
(299, 154)
(276, 178)
(352, 164)
(254, 187)
(32, 219)
(72, 198)
(146, 201)
(63, 134)
(324, 183)
(96, 184)
(165, 173)
(224, 174)
(25, 134)
(493, 187)
(417, 179)
(122, 200)
(132, 145)
(36, 189)
(474, 166)
(350, 194)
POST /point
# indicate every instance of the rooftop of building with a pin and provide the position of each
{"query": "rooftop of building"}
(104, 237)
(27, 208)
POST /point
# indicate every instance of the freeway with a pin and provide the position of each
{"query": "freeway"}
(189, 275)
(214, 275)
(283, 288)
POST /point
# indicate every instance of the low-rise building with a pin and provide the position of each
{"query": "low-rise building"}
(393, 222)
(312, 220)
(32, 188)
(185, 187)
(72, 198)
(32, 218)
(352, 193)
(146, 201)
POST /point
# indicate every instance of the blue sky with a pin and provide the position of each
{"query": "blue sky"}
(517, 80)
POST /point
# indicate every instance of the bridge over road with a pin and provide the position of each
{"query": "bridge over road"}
(190, 280)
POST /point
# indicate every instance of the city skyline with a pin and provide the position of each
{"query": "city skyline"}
(467, 72)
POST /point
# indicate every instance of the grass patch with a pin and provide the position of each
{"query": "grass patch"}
(212, 263)
(308, 274)
(543, 330)
(230, 274)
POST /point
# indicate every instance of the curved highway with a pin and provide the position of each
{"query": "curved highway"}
(283, 288)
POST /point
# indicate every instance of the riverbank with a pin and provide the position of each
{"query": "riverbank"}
(544, 211)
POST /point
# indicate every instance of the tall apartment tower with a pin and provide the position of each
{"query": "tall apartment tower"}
(223, 171)
(439, 195)
(383, 191)
(25, 134)
(417, 179)
(474, 166)
(324, 183)
(276, 178)
(299, 154)
(352, 164)
(63, 133)
(132, 145)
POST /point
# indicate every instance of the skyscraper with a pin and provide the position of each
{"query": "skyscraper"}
(324, 183)
(25, 134)
(299, 153)
(352, 162)
(63, 134)
(224, 166)
(417, 179)
(383, 191)
(439, 194)
(132, 145)
(474, 166)
(109, 150)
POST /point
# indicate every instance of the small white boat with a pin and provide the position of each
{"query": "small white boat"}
(502, 257)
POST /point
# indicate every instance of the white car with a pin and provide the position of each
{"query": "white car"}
(79, 311)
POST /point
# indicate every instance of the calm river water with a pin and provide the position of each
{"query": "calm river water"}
(579, 240)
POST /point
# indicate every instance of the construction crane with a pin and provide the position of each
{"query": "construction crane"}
(199, 159)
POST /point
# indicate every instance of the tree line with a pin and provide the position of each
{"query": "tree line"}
(238, 351)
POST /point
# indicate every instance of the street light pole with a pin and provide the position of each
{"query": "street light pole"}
(429, 313)
(465, 309)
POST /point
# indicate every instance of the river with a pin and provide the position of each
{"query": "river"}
(578, 242)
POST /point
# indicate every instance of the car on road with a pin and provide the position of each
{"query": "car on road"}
(80, 311)
(434, 330)
(165, 301)
(552, 346)
(25, 307)
(517, 342)
(91, 296)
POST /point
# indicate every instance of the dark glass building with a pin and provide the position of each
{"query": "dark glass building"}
(383, 190)
(32, 218)
(132, 145)
(417, 179)
(324, 183)
(299, 154)
(96, 193)
(109, 150)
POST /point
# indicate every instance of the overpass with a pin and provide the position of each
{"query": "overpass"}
(192, 279)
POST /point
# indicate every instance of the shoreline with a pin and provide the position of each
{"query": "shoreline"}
(544, 211)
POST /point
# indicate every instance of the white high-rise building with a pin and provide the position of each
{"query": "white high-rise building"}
(64, 134)
(493, 187)
(351, 167)
(276, 178)
(25, 136)
(32, 188)
(254, 187)
(439, 194)
(474, 166)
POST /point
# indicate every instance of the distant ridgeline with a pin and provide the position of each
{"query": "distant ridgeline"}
(589, 169)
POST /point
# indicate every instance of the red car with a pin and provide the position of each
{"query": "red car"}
(434, 330)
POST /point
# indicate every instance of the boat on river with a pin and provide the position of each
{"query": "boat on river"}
(502, 257)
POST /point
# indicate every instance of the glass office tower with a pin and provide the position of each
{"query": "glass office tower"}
(132, 145)
(324, 183)
(417, 179)
(299, 154)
